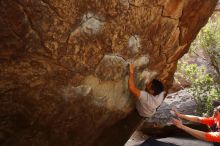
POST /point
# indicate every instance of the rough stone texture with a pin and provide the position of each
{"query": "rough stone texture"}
(179, 83)
(56, 86)
(182, 100)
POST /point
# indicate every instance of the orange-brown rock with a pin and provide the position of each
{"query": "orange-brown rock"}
(63, 64)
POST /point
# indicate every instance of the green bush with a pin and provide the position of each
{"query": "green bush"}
(208, 40)
(205, 87)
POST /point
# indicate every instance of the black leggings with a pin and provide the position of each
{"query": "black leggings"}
(154, 142)
(216, 144)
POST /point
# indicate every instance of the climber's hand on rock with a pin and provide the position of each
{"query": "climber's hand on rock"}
(177, 123)
(175, 112)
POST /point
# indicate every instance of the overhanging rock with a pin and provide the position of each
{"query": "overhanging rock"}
(63, 70)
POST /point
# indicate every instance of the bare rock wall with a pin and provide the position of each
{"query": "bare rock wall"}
(63, 64)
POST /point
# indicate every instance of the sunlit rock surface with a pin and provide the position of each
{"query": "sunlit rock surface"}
(63, 64)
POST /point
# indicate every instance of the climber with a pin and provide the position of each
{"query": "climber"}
(213, 122)
(148, 100)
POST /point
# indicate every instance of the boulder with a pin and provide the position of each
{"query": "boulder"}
(181, 100)
(63, 65)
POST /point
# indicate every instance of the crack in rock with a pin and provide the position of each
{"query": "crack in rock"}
(52, 8)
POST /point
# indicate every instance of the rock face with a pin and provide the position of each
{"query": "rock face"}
(182, 100)
(63, 64)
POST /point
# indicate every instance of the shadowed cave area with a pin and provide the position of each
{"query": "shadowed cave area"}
(63, 65)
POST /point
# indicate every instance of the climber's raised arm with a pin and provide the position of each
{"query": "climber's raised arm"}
(131, 85)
